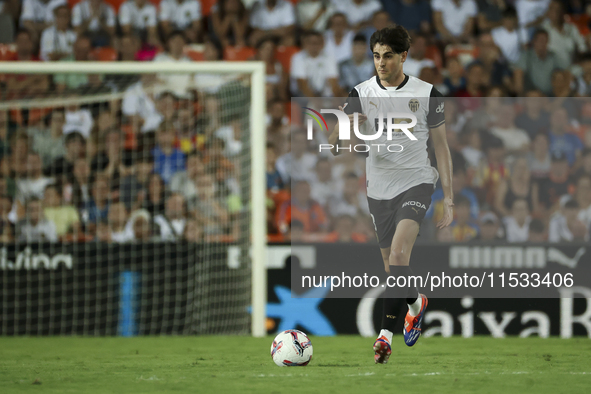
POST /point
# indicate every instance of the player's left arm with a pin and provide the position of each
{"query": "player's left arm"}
(436, 121)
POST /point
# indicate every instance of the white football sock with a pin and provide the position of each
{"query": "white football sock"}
(386, 333)
(415, 308)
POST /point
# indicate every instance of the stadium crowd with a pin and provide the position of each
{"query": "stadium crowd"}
(163, 161)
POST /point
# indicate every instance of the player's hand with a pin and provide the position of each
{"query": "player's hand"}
(361, 118)
(448, 213)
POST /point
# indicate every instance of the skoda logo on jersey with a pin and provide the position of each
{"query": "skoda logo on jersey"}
(414, 105)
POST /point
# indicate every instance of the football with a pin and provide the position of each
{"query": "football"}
(291, 348)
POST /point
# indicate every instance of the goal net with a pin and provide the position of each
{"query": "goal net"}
(132, 198)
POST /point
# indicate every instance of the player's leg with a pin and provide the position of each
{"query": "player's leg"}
(399, 259)
(391, 310)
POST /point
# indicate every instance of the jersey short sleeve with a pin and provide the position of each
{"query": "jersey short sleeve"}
(436, 115)
(353, 103)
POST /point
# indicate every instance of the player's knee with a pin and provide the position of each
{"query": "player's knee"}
(398, 257)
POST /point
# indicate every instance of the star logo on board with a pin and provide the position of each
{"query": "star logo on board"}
(302, 310)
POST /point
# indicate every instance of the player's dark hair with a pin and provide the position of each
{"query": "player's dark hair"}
(397, 38)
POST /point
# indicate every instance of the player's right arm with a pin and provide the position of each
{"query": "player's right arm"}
(352, 105)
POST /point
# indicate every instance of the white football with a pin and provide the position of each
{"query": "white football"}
(291, 348)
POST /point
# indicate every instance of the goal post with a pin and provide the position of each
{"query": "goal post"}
(256, 148)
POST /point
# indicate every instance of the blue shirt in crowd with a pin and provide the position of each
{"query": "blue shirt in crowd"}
(167, 166)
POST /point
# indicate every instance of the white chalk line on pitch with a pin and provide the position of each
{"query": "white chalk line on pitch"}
(429, 374)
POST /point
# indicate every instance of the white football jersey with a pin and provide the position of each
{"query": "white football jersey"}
(406, 164)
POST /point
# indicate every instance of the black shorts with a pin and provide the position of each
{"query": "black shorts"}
(386, 214)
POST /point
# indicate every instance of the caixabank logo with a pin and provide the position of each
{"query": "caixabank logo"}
(388, 124)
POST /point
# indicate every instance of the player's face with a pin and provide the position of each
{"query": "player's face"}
(388, 63)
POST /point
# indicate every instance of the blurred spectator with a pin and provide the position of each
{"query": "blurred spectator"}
(229, 22)
(514, 139)
(530, 13)
(276, 78)
(534, 119)
(472, 149)
(274, 180)
(119, 230)
(7, 230)
(507, 37)
(33, 185)
(414, 15)
(489, 229)
(181, 15)
(19, 151)
(470, 95)
(63, 166)
(96, 209)
(296, 232)
(454, 19)
(302, 208)
(379, 20)
(323, 186)
(35, 227)
(171, 225)
(278, 126)
(583, 82)
(454, 81)
(113, 161)
(490, 14)
(78, 119)
(178, 84)
(562, 87)
(212, 83)
(338, 39)
(138, 105)
(49, 141)
(496, 70)
(564, 37)
(351, 202)
(517, 223)
(314, 72)
(359, 13)
(58, 39)
(298, 164)
(136, 183)
(193, 231)
(519, 186)
(462, 228)
(5, 133)
(583, 198)
(537, 231)
(485, 117)
(129, 45)
(585, 169)
(556, 185)
(141, 226)
(37, 15)
(139, 16)
(25, 86)
(416, 60)
(344, 231)
(539, 157)
(492, 170)
(96, 19)
(561, 140)
(314, 14)
(460, 188)
(153, 199)
(535, 66)
(359, 67)
(565, 226)
(273, 17)
(65, 217)
(185, 182)
(209, 211)
(81, 53)
(80, 183)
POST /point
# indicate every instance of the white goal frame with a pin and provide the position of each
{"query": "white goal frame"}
(257, 141)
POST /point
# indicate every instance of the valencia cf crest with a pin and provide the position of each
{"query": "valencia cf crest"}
(413, 104)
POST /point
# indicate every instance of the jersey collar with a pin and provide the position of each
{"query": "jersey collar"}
(397, 88)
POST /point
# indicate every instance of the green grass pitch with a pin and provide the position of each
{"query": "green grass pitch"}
(342, 364)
